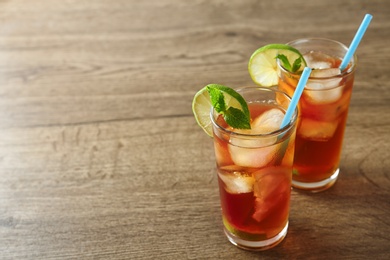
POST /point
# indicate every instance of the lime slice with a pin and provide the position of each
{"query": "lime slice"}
(201, 105)
(263, 65)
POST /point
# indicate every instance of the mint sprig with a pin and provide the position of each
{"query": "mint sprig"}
(287, 65)
(236, 118)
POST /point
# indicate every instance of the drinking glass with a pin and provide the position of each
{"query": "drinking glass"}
(323, 110)
(254, 171)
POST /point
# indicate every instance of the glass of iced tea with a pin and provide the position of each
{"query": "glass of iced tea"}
(254, 170)
(323, 110)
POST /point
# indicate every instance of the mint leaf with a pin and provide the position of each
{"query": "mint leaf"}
(296, 65)
(236, 118)
(286, 64)
(217, 99)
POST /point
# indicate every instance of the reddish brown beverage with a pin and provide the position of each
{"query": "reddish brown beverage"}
(254, 172)
(323, 110)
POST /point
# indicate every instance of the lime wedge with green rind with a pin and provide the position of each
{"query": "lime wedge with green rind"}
(262, 65)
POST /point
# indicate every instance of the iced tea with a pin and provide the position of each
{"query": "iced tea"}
(254, 171)
(323, 110)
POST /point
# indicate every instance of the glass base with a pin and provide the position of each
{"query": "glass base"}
(317, 186)
(256, 245)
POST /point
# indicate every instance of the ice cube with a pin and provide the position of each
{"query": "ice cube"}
(318, 60)
(254, 151)
(318, 94)
(327, 90)
(317, 130)
(325, 73)
(266, 123)
(237, 182)
(222, 154)
(269, 179)
(271, 184)
(252, 157)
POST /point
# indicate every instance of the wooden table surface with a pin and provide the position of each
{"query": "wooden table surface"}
(100, 155)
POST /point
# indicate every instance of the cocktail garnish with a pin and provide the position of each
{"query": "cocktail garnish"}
(226, 101)
(262, 65)
(286, 63)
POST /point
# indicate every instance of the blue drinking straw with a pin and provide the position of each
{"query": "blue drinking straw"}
(356, 40)
(296, 96)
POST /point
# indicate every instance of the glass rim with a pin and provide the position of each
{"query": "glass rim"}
(275, 133)
(344, 73)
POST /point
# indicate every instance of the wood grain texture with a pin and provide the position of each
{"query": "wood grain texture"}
(100, 157)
